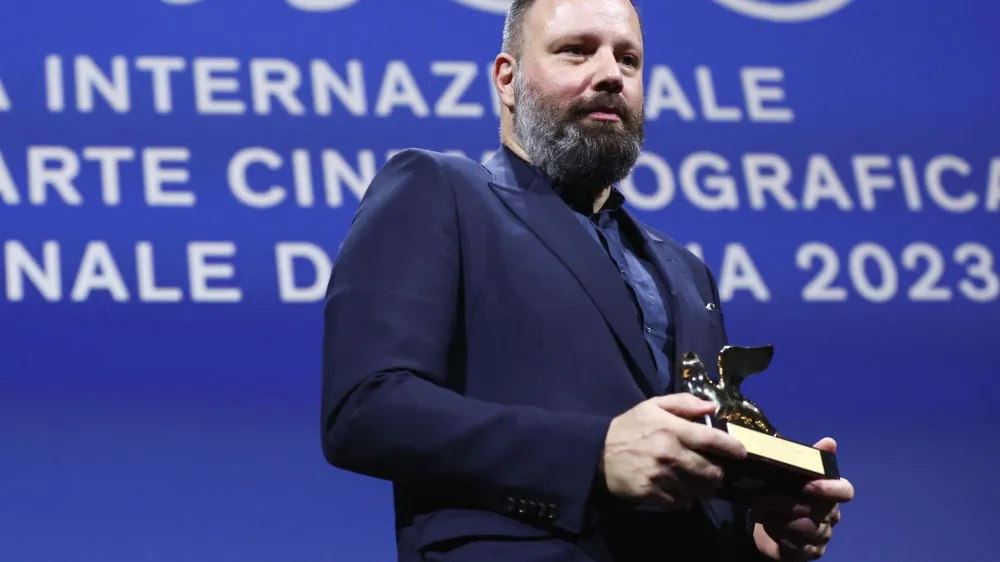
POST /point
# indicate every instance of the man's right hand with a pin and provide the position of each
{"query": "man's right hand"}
(654, 454)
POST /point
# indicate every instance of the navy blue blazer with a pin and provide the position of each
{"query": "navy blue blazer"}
(477, 345)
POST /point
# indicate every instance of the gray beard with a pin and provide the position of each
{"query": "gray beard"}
(587, 157)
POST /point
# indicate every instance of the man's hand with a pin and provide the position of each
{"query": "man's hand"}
(653, 453)
(799, 530)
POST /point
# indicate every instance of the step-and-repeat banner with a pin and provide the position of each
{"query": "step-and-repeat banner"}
(176, 177)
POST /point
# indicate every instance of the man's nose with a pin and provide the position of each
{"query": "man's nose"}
(608, 74)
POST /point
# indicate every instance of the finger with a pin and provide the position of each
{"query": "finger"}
(825, 534)
(690, 474)
(698, 477)
(834, 516)
(815, 552)
(795, 553)
(838, 491)
(704, 439)
(815, 533)
(800, 531)
(792, 508)
(827, 444)
(794, 550)
(685, 405)
(828, 517)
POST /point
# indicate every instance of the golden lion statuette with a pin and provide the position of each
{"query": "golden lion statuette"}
(774, 465)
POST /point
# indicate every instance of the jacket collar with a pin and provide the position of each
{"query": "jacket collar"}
(530, 196)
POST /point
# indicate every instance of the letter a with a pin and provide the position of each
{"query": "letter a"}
(4, 98)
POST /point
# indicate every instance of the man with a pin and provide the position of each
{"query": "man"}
(501, 340)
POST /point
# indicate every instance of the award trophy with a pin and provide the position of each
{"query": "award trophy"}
(774, 465)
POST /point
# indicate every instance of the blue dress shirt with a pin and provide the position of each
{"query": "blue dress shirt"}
(643, 280)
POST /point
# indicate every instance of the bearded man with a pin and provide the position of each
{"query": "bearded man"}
(501, 340)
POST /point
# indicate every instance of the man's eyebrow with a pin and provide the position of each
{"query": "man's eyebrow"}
(591, 37)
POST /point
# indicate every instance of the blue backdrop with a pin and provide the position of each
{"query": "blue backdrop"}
(175, 177)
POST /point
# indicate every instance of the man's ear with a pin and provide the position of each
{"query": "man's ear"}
(504, 67)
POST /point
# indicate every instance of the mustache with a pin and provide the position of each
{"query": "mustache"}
(603, 102)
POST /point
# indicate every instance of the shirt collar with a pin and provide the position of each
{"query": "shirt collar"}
(579, 202)
(575, 198)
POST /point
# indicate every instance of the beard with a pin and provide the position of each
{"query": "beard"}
(570, 149)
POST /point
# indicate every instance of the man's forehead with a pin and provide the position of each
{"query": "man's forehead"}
(549, 19)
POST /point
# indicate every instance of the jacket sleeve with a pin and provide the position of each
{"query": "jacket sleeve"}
(392, 366)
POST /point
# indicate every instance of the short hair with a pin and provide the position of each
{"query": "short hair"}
(513, 26)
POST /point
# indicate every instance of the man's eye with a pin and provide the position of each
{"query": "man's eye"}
(573, 50)
(630, 60)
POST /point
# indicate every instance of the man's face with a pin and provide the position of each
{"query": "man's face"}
(578, 91)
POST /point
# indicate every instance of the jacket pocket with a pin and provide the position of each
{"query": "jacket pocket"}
(715, 317)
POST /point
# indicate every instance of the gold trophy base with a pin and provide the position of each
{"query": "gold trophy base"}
(773, 466)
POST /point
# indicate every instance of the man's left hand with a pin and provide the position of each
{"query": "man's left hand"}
(799, 530)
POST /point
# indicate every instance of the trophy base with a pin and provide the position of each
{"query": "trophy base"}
(773, 466)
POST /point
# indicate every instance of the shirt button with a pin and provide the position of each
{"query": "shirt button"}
(648, 329)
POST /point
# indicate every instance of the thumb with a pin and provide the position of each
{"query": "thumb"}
(685, 405)
(826, 444)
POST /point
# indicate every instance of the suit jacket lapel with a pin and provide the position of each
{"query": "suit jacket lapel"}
(541, 210)
(684, 301)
